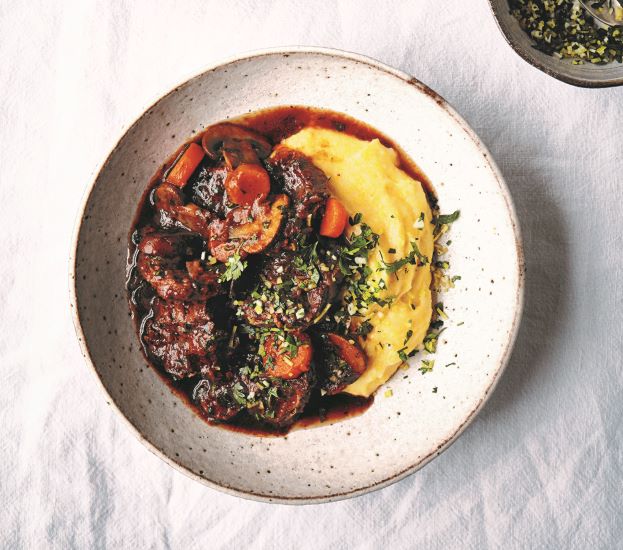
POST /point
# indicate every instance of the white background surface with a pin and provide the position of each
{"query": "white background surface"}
(541, 466)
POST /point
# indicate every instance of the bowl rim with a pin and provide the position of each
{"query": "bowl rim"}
(406, 79)
(528, 55)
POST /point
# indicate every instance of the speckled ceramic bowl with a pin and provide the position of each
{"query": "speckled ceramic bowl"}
(398, 434)
(586, 75)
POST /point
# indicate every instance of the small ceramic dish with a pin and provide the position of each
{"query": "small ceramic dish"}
(587, 75)
(426, 412)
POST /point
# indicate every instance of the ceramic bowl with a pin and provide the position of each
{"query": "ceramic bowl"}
(426, 412)
(587, 75)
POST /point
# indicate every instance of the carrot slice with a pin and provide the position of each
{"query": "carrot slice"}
(246, 183)
(186, 165)
(334, 219)
(349, 352)
(281, 362)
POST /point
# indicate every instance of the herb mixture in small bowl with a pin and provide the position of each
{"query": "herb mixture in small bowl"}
(565, 41)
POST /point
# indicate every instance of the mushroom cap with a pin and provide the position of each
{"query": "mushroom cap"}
(233, 138)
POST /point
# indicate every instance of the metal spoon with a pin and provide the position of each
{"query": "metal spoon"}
(605, 14)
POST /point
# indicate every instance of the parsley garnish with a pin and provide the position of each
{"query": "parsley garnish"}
(238, 394)
(414, 256)
(234, 268)
(443, 221)
(427, 365)
(364, 328)
(430, 341)
(356, 219)
(447, 219)
(272, 392)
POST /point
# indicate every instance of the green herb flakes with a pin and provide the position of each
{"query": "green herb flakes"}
(413, 258)
(563, 29)
(238, 394)
(427, 365)
(234, 268)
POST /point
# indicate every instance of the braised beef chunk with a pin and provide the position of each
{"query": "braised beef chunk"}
(180, 335)
(224, 393)
(294, 291)
(206, 188)
(174, 211)
(216, 398)
(339, 362)
(283, 400)
(164, 260)
(296, 175)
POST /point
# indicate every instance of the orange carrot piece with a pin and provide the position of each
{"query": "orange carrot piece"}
(279, 363)
(186, 165)
(246, 183)
(334, 220)
(349, 352)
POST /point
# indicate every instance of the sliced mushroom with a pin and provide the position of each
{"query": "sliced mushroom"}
(248, 229)
(236, 144)
(169, 199)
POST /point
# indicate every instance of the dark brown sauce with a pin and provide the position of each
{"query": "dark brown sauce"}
(282, 122)
(319, 411)
(276, 124)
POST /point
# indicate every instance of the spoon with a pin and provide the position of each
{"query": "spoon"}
(607, 12)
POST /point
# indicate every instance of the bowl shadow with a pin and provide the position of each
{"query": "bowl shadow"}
(547, 284)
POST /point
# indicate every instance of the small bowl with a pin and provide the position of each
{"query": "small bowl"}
(587, 75)
(425, 413)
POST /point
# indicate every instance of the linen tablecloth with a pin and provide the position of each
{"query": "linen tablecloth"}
(540, 467)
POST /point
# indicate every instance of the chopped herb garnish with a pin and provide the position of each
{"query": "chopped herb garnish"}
(447, 219)
(414, 256)
(364, 328)
(562, 28)
(427, 365)
(430, 341)
(238, 394)
(234, 268)
(356, 219)
(408, 336)
(419, 223)
(272, 392)
(440, 311)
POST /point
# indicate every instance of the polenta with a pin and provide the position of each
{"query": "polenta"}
(366, 178)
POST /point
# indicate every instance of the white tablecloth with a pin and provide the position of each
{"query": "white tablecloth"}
(541, 466)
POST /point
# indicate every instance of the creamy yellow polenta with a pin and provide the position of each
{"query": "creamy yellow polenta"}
(365, 177)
